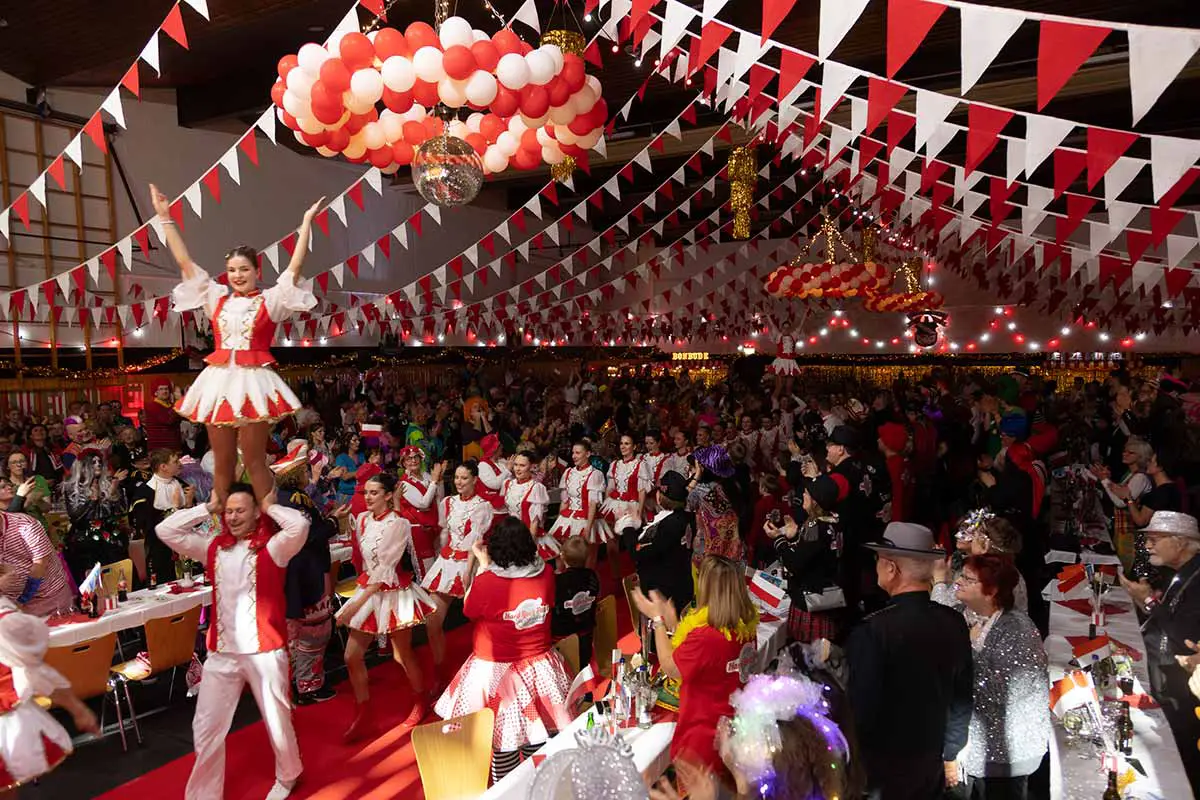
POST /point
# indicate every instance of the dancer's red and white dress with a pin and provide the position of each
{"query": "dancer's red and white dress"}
(582, 491)
(465, 523)
(769, 443)
(512, 669)
(626, 480)
(491, 484)
(527, 501)
(785, 358)
(238, 386)
(32, 742)
(656, 465)
(419, 505)
(382, 542)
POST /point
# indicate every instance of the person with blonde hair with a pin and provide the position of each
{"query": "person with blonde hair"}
(710, 651)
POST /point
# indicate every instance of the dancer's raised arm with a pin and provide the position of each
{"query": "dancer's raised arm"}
(162, 207)
(302, 240)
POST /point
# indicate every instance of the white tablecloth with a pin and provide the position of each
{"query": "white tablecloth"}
(142, 605)
(1076, 778)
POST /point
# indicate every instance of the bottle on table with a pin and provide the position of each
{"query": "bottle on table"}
(1125, 730)
(122, 588)
(152, 581)
(1112, 792)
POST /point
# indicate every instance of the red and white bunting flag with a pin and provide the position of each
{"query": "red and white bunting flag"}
(1119, 176)
(1170, 158)
(1156, 57)
(1062, 49)
(908, 23)
(837, 18)
(932, 110)
(1042, 135)
(985, 31)
(834, 83)
(1104, 147)
(984, 124)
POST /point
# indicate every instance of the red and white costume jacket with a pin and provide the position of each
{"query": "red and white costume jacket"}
(677, 463)
(627, 480)
(236, 388)
(491, 484)
(768, 447)
(465, 523)
(785, 358)
(582, 495)
(247, 574)
(399, 603)
(656, 465)
(527, 501)
(418, 503)
(32, 742)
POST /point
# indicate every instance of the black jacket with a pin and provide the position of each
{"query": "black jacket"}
(1174, 620)
(811, 559)
(910, 686)
(576, 592)
(663, 556)
(305, 583)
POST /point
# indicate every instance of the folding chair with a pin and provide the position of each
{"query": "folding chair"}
(454, 756)
(86, 665)
(170, 643)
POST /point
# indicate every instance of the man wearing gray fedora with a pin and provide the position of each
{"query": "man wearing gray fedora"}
(910, 674)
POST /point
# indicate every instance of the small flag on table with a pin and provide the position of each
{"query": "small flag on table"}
(1071, 576)
(769, 594)
(1091, 651)
(1073, 690)
(371, 433)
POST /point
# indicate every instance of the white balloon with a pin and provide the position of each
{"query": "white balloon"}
(325, 151)
(589, 139)
(456, 30)
(371, 36)
(480, 36)
(310, 125)
(373, 136)
(390, 169)
(583, 100)
(593, 83)
(453, 93)
(565, 135)
(555, 53)
(299, 138)
(541, 67)
(334, 44)
(494, 159)
(427, 62)
(535, 123)
(294, 105)
(562, 115)
(398, 74)
(357, 147)
(551, 154)
(482, 88)
(300, 83)
(507, 144)
(517, 125)
(457, 129)
(475, 119)
(367, 86)
(414, 114)
(393, 126)
(311, 57)
(544, 137)
(355, 104)
(512, 71)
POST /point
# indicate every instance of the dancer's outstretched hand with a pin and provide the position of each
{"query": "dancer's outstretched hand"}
(161, 203)
(313, 209)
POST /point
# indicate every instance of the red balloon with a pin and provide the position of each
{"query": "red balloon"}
(335, 75)
(486, 54)
(315, 139)
(477, 141)
(326, 106)
(426, 93)
(339, 138)
(535, 101)
(357, 121)
(506, 42)
(357, 51)
(571, 149)
(290, 121)
(525, 48)
(526, 159)
(433, 126)
(397, 101)
(380, 157)
(414, 132)
(422, 34)
(558, 91)
(507, 101)
(491, 127)
(402, 153)
(529, 141)
(573, 72)
(581, 125)
(360, 160)
(391, 42)
(458, 62)
(287, 64)
(277, 90)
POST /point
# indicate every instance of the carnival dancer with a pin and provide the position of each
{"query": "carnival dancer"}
(387, 600)
(417, 498)
(527, 499)
(655, 459)
(513, 668)
(237, 396)
(582, 493)
(464, 519)
(628, 484)
(32, 742)
(493, 472)
(247, 633)
(785, 357)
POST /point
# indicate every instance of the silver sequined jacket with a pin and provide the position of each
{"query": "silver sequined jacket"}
(1010, 723)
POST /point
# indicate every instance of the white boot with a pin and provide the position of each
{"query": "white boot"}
(281, 791)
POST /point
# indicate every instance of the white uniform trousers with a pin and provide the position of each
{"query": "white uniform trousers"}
(225, 677)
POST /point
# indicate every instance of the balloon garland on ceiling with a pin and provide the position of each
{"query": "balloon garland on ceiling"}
(525, 106)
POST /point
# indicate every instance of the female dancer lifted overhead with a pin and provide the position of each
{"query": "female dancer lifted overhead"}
(238, 395)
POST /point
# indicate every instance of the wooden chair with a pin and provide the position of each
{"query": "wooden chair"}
(629, 583)
(170, 643)
(606, 633)
(86, 665)
(568, 648)
(454, 756)
(110, 575)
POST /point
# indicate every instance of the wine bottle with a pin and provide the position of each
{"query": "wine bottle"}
(1112, 792)
(1125, 730)
(122, 588)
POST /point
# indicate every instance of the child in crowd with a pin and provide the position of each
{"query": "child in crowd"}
(576, 590)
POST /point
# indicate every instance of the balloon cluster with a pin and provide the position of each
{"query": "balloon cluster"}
(528, 105)
(826, 280)
(906, 301)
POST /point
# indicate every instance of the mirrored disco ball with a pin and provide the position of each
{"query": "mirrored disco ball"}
(447, 171)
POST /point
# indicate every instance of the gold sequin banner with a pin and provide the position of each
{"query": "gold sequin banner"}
(742, 172)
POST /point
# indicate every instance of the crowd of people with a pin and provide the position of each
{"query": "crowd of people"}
(908, 524)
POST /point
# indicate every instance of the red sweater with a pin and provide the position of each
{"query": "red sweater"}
(162, 427)
(511, 615)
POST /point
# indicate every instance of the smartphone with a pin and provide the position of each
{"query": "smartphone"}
(775, 517)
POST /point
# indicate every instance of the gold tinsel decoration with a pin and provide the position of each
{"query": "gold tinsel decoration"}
(742, 171)
(870, 238)
(907, 279)
(569, 42)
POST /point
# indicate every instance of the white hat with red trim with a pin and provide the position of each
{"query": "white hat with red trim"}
(297, 455)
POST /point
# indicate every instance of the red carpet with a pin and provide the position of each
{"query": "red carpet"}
(380, 768)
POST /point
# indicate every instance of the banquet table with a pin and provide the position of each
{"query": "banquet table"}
(1074, 773)
(142, 605)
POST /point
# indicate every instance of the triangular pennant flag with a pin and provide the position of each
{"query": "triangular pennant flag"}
(1120, 214)
(212, 179)
(266, 123)
(1042, 135)
(150, 56)
(834, 83)
(774, 12)
(674, 25)
(230, 162)
(837, 18)
(1170, 158)
(1104, 147)
(112, 104)
(194, 199)
(131, 80)
(528, 14)
(908, 22)
(200, 7)
(793, 66)
(932, 110)
(38, 189)
(1156, 57)
(94, 128)
(1068, 165)
(984, 124)
(173, 26)
(882, 97)
(249, 146)
(899, 124)
(985, 31)
(74, 151)
(1015, 160)
(1062, 49)
(1119, 176)
(57, 172)
(1178, 248)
